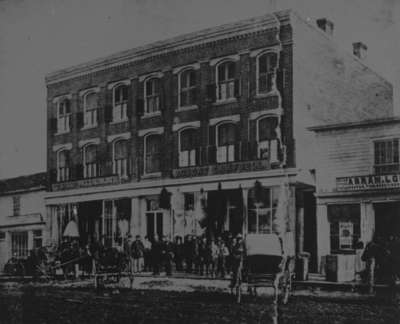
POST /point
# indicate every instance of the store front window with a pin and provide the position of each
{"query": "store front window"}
(344, 227)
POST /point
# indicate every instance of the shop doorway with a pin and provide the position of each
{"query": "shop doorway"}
(89, 221)
(310, 229)
(387, 219)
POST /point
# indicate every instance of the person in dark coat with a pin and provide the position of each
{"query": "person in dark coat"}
(156, 255)
(168, 255)
(137, 254)
(178, 253)
(237, 258)
(188, 253)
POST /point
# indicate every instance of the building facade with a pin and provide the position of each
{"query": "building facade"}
(22, 216)
(201, 130)
(358, 185)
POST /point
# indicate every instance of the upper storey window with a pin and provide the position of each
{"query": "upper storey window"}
(267, 139)
(226, 136)
(187, 147)
(90, 109)
(120, 160)
(90, 168)
(152, 95)
(120, 103)
(63, 116)
(63, 165)
(266, 76)
(152, 153)
(226, 81)
(386, 156)
(187, 88)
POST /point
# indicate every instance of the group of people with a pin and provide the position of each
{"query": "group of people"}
(213, 257)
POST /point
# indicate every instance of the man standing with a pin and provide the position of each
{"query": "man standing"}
(128, 252)
(137, 253)
(156, 255)
(237, 257)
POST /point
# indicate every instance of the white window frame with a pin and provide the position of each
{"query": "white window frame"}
(225, 153)
(274, 72)
(155, 97)
(20, 244)
(65, 174)
(89, 115)
(63, 120)
(270, 145)
(89, 171)
(145, 137)
(16, 202)
(188, 157)
(120, 109)
(229, 84)
(382, 140)
(122, 164)
(188, 89)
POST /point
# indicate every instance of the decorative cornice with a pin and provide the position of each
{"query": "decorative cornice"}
(232, 31)
(113, 84)
(95, 141)
(89, 90)
(263, 113)
(151, 75)
(155, 130)
(112, 138)
(64, 146)
(59, 98)
(230, 119)
(194, 124)
(179, 69)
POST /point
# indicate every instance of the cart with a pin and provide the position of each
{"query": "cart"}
(111, 266)
(267, 264)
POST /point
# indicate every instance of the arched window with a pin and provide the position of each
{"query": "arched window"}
(226, 137)
(187, 90)
(120, 103)
(63, 116)
(226, 80)
(90, 161)
(120, 159)
(267, 138)
(152, 95)
(90, 109)
(63, 165)
(187, 147)
(267, 65)
(152, 153)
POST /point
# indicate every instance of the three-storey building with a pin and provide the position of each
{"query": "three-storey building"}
(201, 130)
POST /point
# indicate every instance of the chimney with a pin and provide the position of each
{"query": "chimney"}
(326, 25)
(360, 50)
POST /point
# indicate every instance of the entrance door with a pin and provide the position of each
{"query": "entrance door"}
(154, 224)
(310, 229)
(387, 219)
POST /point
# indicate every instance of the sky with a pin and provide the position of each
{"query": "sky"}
(40, 36)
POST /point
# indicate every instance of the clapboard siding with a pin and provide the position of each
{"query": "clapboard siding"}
(348, 152)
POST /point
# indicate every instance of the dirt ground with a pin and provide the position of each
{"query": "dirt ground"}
(48, 305)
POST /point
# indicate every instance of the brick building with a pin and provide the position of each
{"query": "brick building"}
(357, 187)
(153, 139)
(22, 216)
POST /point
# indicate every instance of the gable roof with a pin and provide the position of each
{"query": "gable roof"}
(30, 182)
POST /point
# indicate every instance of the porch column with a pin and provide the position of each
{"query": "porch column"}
(54, 224)
(299, 221)
(367, 221)
(323, 236)
(114, 223)
(245, 194)
(135, 224)
(30, 240)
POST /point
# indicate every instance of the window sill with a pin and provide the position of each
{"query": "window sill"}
(89, 126)
(149, 115)
(186, 108)
(225, 101)
(151, 175)
(63, 132)
(272, 93)
(119, 121)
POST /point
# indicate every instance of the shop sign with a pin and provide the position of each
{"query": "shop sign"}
(223, 168)
(90, 182)
(345, 235)
(369, 182)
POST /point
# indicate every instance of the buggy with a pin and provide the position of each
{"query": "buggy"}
(267, 264)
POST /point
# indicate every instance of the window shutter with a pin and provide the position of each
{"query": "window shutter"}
(162, 94)
(198, 155)
(108, 114)
(253, 147)
(237, 88)
(79, 171)
(211, 135)
(53, 125)
(237, 143)
(211, 92)
(129, 111)
(212, 154)
(139, 107)
(53, 175)
(79, 120)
